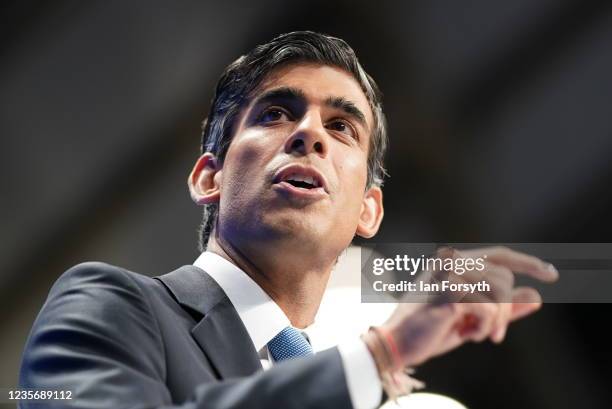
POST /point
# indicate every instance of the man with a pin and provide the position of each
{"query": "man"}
(291, 171)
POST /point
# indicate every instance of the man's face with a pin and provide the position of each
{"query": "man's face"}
(296, 168)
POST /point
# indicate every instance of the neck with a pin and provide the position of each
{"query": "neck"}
(296, 285)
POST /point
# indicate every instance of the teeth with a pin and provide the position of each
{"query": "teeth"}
(306, 179)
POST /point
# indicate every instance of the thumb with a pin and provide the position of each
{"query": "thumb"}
(525, 301)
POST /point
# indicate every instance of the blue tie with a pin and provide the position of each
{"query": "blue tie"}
(289, 343)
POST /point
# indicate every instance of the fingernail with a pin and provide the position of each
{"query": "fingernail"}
(552, 269)
(502, 334)
(498, 335)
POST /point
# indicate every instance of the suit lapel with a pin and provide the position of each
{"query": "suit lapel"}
(220, 333)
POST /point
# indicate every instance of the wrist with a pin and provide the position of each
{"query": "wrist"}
(392, 372)
(377, 350)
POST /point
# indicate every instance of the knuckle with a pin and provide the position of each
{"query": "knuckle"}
(504, 273)
(511, 279)
(502, 250)
(482, 333)
(507, 277)
(444, 251)
(490, 309)
(531, 258)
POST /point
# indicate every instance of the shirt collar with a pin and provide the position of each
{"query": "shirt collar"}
(261, 316)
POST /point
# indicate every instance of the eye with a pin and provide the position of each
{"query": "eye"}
(273, 114)
(342, 127)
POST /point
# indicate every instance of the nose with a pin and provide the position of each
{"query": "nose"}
(308, 137)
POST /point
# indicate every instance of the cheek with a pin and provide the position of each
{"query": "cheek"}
(248, 149)
(353, 172)
(244, 164)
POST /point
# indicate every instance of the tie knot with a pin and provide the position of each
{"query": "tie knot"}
(289, 343)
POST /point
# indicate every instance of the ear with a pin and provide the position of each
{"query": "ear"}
(372, 213)
(204, 180)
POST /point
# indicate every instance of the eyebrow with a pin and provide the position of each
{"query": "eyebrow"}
(287, 93)
(348, 107)
(295, 94)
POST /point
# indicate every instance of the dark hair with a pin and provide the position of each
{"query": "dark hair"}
(241, 78)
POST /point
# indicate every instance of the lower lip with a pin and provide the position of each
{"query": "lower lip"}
(288, 188)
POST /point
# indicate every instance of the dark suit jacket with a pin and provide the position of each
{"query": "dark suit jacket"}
(118, 339)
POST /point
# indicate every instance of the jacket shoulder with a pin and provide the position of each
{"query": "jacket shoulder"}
(92, 274)
(97, 309)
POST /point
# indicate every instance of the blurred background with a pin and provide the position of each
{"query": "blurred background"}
(500, 130)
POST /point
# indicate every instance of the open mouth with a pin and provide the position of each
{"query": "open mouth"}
(301, 180)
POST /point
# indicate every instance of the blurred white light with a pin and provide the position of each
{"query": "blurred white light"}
(421, 400)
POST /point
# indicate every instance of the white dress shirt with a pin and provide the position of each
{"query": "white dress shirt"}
(264, 319)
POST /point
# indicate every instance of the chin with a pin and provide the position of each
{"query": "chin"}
(291, 229)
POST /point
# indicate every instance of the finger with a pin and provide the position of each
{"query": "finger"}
(476, 324)
(495, 274)
(525, 301)
(517, 262)
(501, 281)
(501, 323)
